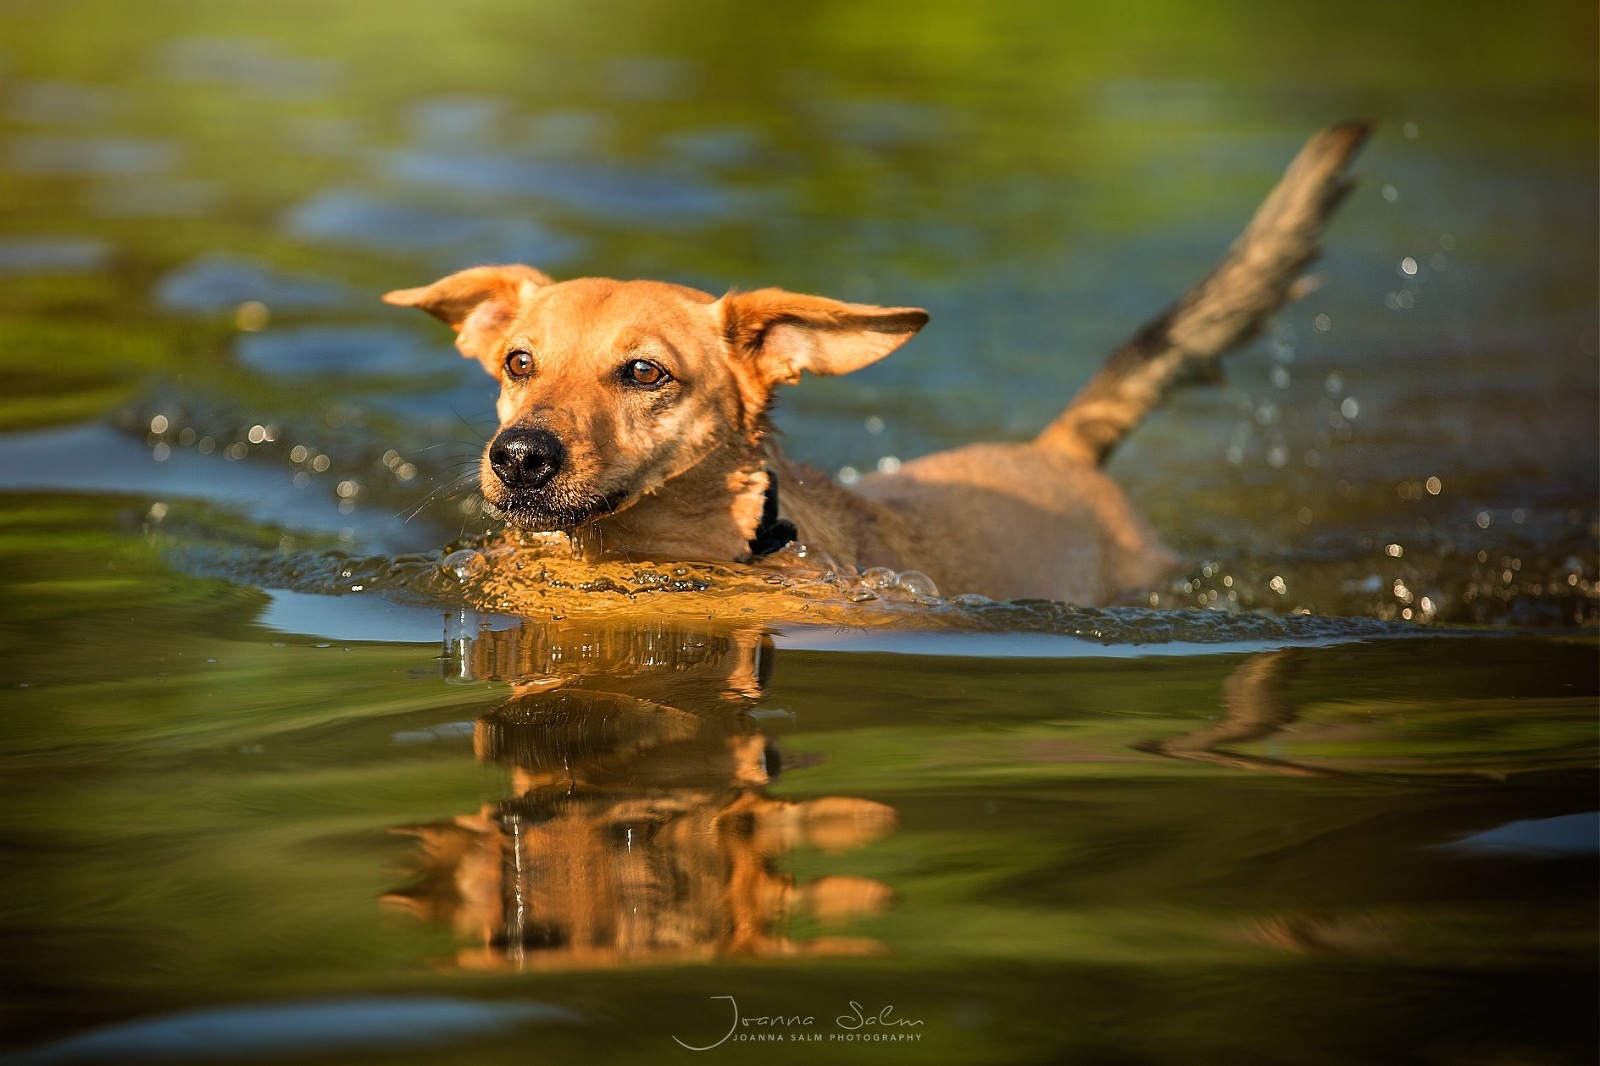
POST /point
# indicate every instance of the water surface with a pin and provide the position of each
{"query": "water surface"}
(280, 785)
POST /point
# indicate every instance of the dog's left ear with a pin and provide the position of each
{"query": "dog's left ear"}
(788, 333)
(476, 303)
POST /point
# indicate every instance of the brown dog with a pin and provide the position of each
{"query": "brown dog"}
(633, 416)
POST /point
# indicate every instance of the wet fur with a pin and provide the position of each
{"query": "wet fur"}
(680, 472)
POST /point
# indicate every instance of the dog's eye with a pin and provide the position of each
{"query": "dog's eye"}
(645, 374)
(519, 364)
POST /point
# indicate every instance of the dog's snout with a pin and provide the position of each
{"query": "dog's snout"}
(526, 458)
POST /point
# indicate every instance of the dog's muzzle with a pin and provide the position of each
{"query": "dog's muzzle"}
(526, 459)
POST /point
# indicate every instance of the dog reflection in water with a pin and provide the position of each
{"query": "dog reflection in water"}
(639, 828)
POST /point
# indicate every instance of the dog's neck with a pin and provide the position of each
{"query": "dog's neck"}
(713, 512)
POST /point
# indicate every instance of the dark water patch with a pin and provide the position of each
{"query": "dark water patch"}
(52, 255)
(636, 195)
(153, 197)
(267, 1030)
(60, 103)
(352, 218)
(1553, 838)
(310, 351)
(99, 461)
(61, 156)
(219, 282)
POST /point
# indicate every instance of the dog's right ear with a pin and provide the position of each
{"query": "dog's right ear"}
(785, 333)
(477, 303)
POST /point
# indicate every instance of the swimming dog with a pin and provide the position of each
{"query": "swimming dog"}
(634, 417)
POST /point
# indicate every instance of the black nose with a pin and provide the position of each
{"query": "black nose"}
(526, 458)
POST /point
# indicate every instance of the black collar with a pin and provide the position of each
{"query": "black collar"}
(773, 533)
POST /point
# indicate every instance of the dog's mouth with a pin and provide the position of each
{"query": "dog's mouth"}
(544, 511)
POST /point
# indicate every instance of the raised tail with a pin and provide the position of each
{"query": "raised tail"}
(1258, 275)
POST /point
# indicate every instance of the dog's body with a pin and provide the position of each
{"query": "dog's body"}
(1005, 520)
(633, 416)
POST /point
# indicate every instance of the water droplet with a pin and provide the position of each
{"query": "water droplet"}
(1483, 519)
(918, 584)
(464, 563)
(1394, 551)
(1434, 486)
(1277, 585)
(159, 424)
(878, 577)
(251, 316)
(874, 425)
(1391, 194)
(1322, 323)
(1410, 131)
(889, 464)
(1349, 409)
(1408, 266)
(849, 475)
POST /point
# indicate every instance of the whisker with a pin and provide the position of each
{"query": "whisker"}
(444, 487)
(459, 472)
(483, 439)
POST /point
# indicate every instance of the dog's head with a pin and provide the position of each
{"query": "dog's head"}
(611, 389)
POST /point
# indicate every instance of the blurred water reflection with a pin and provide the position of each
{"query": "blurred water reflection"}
(638, 829)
